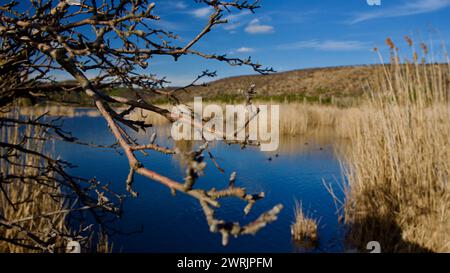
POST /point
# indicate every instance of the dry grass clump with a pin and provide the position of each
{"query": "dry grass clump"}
(399, 165)
(304, 229)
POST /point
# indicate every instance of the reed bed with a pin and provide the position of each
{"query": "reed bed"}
(23, 201)
(398, 166)
(34, 212)
(58, 111)
(295, 118)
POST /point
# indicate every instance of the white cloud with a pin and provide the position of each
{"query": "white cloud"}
(237, 16)
(235, 20)
(255, 27)
(232, 26)
(202, 12)
(328, 45)
(245, 49)
(406, 9)
(180, 5)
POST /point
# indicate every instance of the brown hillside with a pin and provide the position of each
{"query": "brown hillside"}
(331, 81)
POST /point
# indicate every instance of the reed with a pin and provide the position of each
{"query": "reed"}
(23, 201)
(34, 209)
(304, 228)
(58, 111)
(398, 166)
(296, 118)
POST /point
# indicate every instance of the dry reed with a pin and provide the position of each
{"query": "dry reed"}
(295, 118)
(399, 165)
(304, 228)
(23, 201)
(33, 207)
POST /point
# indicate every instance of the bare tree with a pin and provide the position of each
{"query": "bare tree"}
(113, 39)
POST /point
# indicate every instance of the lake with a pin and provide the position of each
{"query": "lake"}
(156, 221)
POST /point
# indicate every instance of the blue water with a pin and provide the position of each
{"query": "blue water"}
(177, 224)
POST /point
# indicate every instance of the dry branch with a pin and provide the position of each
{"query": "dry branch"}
(112, 39)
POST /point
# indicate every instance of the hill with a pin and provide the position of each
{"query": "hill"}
(326, 82)
(317, 84)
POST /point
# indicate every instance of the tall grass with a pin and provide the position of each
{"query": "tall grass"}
(296, 118)
(398, 166)
(34, 210)
(23, 201)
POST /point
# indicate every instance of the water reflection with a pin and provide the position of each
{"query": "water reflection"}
(296, 171)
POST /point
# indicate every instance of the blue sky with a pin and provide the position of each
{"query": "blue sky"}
(293, 34)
